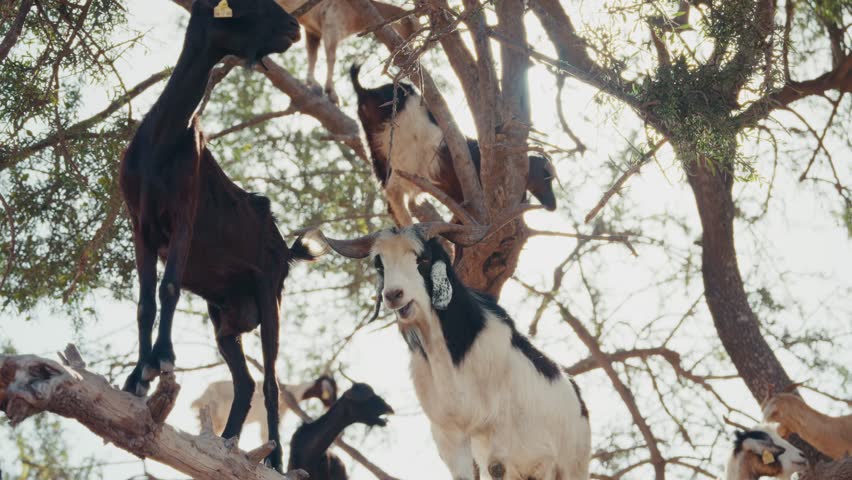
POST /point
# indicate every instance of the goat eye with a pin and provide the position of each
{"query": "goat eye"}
(378, 263)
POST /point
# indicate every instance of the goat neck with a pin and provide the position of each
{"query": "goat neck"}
(321, 433)
(171, 115)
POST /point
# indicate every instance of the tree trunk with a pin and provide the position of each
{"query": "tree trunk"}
(735, 322)
(30, 384)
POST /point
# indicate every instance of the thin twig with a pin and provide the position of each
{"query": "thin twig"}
(645, 158)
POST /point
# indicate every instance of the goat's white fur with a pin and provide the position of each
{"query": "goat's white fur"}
(791, 460)
(412, 149)
(544, 437)
(219, 396)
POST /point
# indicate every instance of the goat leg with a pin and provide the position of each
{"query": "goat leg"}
(162, 356)
(146, 312)
(269, 326)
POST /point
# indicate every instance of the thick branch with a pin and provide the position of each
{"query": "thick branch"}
(839, 79)
(30, 384)
(15, 30)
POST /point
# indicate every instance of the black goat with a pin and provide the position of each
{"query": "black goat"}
(309, 445)
(217, 240)
(418, 147)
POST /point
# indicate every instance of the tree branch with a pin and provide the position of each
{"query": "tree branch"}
(80, 128)
(840, 79)
(31, 384)
(15, 30)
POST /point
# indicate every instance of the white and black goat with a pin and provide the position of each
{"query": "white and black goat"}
(418, 147)
(761, 452)
(309, 445)
(219, 395)
(489, 394)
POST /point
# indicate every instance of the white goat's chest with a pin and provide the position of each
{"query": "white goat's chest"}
(415, 141)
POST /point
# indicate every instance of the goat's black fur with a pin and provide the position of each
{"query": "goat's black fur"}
(464, 318)
(309, 444)
(217, 240)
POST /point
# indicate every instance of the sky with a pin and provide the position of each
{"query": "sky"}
(800, 235)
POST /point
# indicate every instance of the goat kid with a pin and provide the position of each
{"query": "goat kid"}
(219, 396)
(309, 444)
(830, 435)
(332, 21)
(761, 452)
(419, 148)
(217, 240)
(489, 394)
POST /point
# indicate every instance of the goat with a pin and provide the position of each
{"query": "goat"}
(217, 240)
(332, 21)
(219, 395)
(830, 435)
(761, 452)
(309, 444)
(419, 148)
(489, 394)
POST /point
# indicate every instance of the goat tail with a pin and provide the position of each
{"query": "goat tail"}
(354, 70)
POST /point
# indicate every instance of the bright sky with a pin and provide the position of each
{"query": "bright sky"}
(799, 235)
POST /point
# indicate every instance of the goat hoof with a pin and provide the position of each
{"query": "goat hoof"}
(496, 470)
(332, 97)
(135, 384)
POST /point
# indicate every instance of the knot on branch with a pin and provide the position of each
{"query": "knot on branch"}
(161, 403)
(27, 384)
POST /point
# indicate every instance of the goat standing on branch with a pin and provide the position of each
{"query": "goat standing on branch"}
(830, 435)
(761, 452)
(412, 142)
(332, 21)
(217, 240)
(310, 443)
(489, 394)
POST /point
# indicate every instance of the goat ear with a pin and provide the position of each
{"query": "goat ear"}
(442, 289)
(380, 285)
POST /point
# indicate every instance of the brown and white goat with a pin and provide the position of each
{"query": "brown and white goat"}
(332, 21)
(830, 435)
(219, 396)
(417, 146)
(217, 240)
(761, 452)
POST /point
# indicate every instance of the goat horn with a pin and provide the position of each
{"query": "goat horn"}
(356, 248)
(467, 235)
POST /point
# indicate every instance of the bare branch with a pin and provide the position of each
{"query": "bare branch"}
(643, 159)
(30, 384)
(439, 194)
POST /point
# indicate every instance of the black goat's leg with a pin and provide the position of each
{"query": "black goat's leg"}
(146, 311)
(269, 324)
(162, 357)
(231, 349)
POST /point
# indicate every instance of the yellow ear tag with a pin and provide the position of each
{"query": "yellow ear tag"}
(223, 10)
(768, 457)
(325, 395)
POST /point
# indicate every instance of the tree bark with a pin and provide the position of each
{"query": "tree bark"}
(31, 384)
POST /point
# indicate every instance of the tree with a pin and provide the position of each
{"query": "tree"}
(714, 83)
